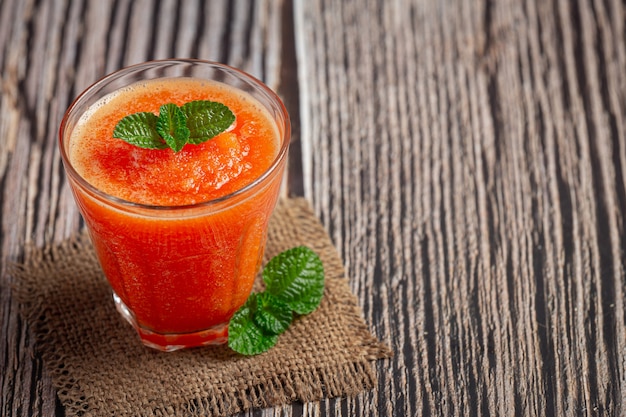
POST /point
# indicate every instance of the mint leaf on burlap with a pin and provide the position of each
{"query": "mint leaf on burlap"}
(245, 336)
(294, 282)
(296, 277)
(272, 315)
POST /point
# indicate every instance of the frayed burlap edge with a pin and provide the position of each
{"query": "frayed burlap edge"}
(283, 387)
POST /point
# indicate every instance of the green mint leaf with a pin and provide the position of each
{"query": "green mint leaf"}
(206, 119)
(272, 315)
(172, 126)
(294, 283)
(195, 122)
(245, 336)
(296, 277)
(139, 129)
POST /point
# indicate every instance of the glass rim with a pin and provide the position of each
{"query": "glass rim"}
(131, 205)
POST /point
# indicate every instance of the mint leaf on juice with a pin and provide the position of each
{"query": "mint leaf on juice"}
(245, 336)
(195, 122)
(294, 284)
(296, 277)
(206, 119)
(139, 129)
(172, 126)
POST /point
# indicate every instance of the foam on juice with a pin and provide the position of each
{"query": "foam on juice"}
(197, 173)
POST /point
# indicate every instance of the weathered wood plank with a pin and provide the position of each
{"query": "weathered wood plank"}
(468, 160)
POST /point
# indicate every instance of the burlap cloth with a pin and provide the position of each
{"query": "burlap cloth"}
(100, 368)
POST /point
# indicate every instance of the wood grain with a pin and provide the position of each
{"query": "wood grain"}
(468, 159)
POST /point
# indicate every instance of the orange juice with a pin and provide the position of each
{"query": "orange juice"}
(179, 235)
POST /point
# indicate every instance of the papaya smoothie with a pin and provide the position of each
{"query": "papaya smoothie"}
(179, 233)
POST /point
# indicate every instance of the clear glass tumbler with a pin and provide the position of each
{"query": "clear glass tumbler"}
(178, 273)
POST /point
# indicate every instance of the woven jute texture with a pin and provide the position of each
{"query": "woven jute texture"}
(100, 368)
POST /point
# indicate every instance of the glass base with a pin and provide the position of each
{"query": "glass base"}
(169, 342)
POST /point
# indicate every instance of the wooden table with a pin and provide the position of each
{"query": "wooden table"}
(468, 159)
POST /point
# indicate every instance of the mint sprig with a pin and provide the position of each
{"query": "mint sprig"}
(294, 282)
(172, 126)
(195, 122)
